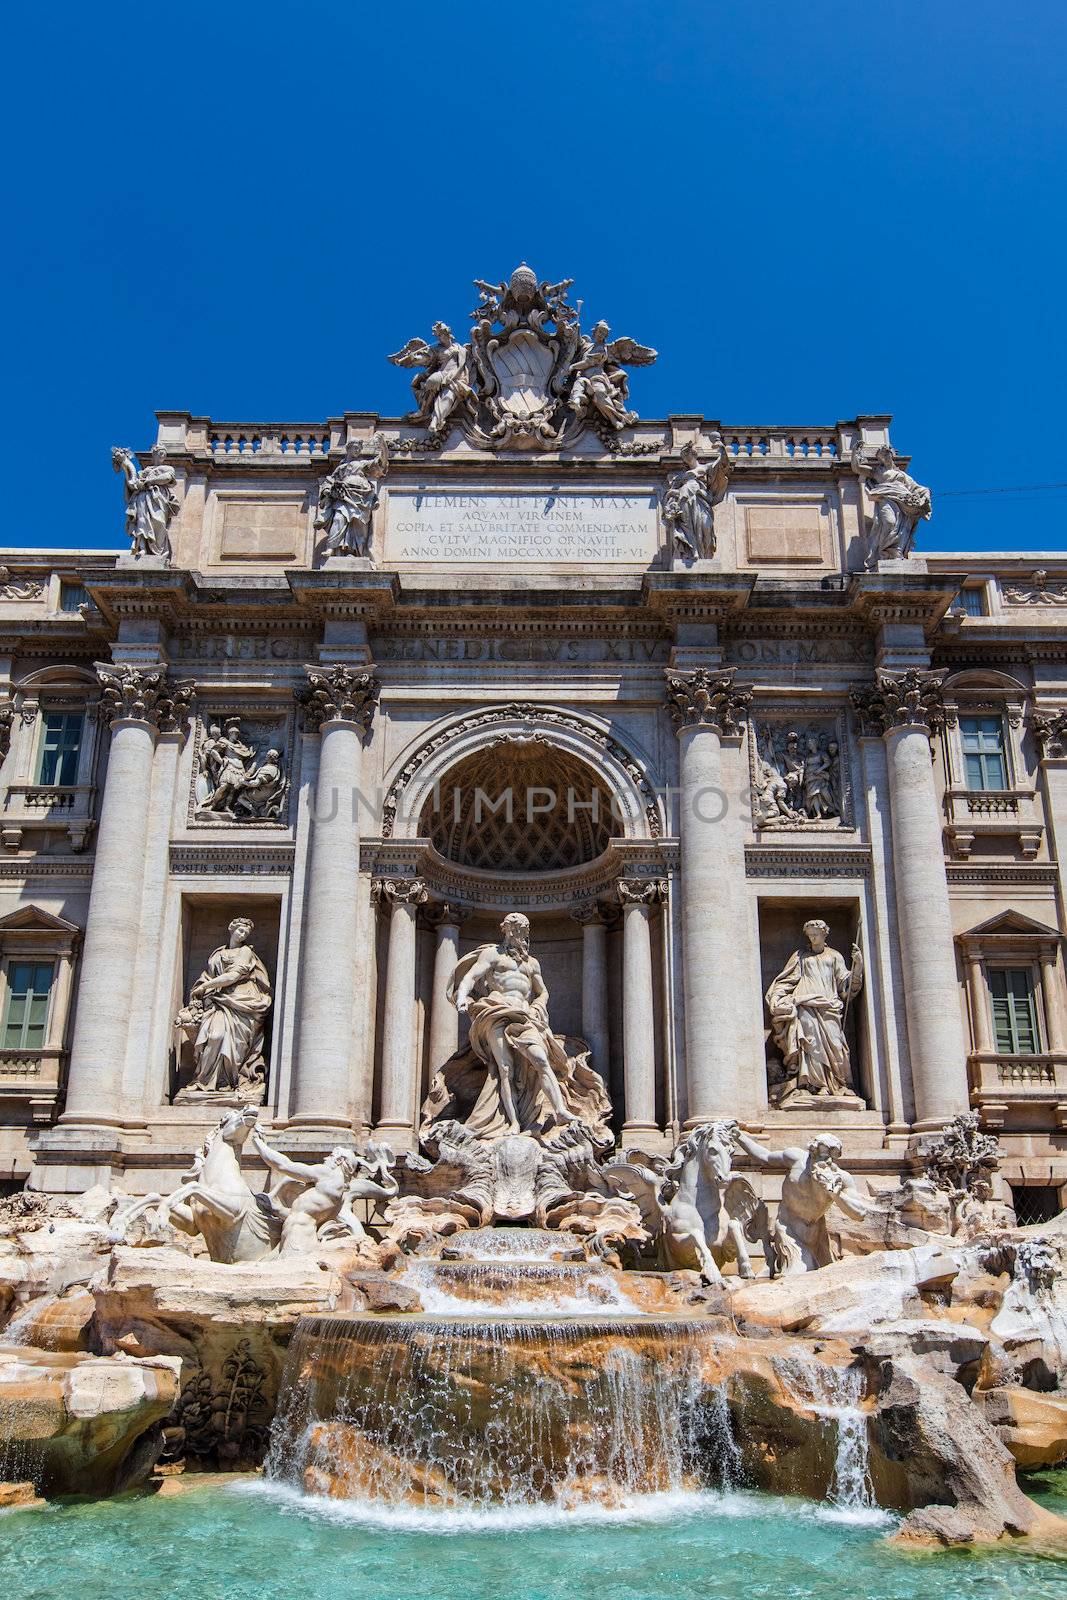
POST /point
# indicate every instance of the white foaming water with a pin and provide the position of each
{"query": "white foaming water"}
(676, 1505)
(508, 1286)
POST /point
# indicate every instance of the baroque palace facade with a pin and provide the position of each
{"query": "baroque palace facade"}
(784, 803)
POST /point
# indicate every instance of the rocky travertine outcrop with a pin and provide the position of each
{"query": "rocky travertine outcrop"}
(932, 1449)
(81, 1424)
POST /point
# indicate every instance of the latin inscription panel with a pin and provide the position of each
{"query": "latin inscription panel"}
(479, 527)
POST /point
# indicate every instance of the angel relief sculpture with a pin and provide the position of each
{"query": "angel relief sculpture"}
(529, 379)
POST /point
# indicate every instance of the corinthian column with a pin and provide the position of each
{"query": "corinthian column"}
(638, 1011)
(339, 704)
(905, 709)
(396, 1120)
(595, 1027)
(139, 702)
(444, 1018)
(709, 713)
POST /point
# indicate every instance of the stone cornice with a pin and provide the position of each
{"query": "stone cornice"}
(339, 694)
(145, 694)
(806, 861)
(909, 699)
(708, 698)
(238, 860)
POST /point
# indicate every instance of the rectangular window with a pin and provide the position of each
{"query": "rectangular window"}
(72, 595)
(29, 985)
(971, 602)
(984, 759)
(1014, 1011)
(60, 743)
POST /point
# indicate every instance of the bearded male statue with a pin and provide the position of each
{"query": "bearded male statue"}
(516, 1075)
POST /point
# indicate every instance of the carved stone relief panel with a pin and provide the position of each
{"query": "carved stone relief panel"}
(800, 773)
(241, 768)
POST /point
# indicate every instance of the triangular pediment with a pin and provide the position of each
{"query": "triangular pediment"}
(1012, 922)
(33, 919)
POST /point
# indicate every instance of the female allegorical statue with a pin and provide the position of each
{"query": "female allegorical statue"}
(150, 501)
(228, 1006)
(807, 1002)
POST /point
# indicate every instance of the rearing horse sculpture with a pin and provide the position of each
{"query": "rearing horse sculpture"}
(215, 1199)
(698, 1209)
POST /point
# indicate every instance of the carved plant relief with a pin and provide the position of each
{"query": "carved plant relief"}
(799, 775)
(240, 771)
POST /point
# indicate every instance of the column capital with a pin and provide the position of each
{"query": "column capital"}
(1050, 734)
(909, 699)
(145, 694)
(642, 891)
(445, 914)
(708, 698)
(588, 913)
(339, 694)
(399, 892)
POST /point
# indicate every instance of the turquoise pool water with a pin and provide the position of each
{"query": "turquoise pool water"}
(250, 1541)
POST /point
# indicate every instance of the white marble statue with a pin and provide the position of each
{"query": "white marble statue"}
(813, 1183)
(443, 389)
(600, 389)
(695, 1206)
(899, 504)
(315, 1199)
(151, 503)
(347, 498)
(692, 494)
(227, 1009)
(808, 1003)
(214, 1199)
(516, 1076)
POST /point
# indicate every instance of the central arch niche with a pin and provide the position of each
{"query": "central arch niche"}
(520, 805)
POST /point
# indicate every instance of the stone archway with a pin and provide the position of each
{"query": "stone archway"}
(575, 742)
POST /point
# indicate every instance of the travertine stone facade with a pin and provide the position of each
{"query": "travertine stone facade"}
(724, 697)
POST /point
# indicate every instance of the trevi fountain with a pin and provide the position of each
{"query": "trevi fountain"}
(531, 984)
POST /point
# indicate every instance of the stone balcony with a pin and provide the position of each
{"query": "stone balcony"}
(47, 808)
(1008, 815)
(1017, 1092)
(32, 1079)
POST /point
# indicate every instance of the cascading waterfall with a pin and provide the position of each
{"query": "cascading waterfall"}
(500, 1411)
(836, 1393)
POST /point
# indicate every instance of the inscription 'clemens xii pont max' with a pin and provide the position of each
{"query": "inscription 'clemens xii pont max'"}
(520, 527)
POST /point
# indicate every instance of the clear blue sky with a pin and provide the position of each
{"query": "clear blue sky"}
(811, 209)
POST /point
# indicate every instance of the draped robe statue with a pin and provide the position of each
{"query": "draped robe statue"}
(227, 1008)
(807, 1003)
(516, 1075)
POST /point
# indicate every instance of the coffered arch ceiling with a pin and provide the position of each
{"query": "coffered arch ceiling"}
(520, 805)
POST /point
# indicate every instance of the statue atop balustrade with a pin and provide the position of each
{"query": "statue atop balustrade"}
(151, 504)
(900, 503)
(348, 496)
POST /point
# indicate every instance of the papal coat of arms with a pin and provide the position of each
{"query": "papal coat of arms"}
(529, 378)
